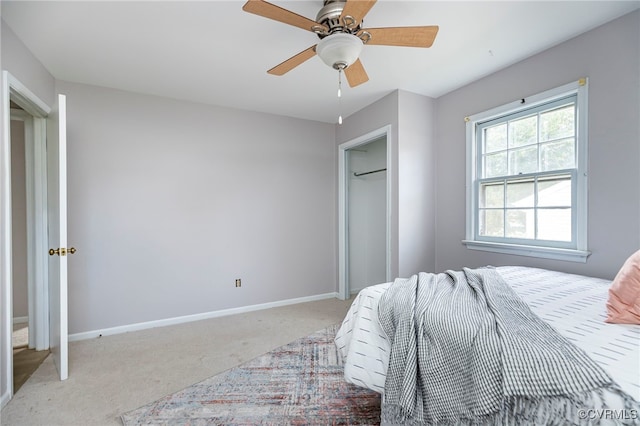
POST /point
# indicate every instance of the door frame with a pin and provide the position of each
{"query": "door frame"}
(37, 238)
(28, 141)
(343, 206)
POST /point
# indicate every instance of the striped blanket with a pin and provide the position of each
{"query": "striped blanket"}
(467, 351)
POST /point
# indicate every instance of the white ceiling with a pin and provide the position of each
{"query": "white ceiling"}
(213, 52)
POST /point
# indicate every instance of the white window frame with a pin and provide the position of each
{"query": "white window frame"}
(578, 251)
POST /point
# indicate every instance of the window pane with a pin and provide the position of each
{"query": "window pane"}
(520, 194)
(558, 155)
(523, 131)
(525, 191)
(554, 224)
(495, 165)
(559, 123)
(491, 223)
(554, 192)
(492, 195)
(523, 160)
(520, 224)
(495, 138)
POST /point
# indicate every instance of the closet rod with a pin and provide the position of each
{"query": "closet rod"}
(368, 173)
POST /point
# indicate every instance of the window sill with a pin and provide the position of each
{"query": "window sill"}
(568, 255)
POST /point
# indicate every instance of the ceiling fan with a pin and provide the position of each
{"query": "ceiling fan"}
(339, 26)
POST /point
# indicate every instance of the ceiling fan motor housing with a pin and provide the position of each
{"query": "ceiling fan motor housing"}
(329, 16)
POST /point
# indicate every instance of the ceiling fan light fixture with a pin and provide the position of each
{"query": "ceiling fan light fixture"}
(339, 50)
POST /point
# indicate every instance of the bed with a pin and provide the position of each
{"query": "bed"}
(572, 304)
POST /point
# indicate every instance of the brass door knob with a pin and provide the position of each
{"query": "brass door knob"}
(62, 251)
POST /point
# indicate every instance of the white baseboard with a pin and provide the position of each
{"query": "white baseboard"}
(20, 320)
(197, 317)
(6, 397)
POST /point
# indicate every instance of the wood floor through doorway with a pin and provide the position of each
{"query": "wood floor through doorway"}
(25, 362)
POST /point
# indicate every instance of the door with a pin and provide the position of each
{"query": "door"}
(57, 221)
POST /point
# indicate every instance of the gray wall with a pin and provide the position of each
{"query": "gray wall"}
(416, 183)
(412, 120)
(170, 202)
(21, 63)
(609, 57)
(375, 116)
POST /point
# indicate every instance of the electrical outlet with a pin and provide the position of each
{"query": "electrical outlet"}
(238, 282)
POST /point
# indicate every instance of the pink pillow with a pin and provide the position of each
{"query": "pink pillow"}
(623, 306)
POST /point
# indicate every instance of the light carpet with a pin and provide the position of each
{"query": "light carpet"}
(301, 383)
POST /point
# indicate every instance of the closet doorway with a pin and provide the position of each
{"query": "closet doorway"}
(364, 212)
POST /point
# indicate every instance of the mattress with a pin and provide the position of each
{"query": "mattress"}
(574, 305)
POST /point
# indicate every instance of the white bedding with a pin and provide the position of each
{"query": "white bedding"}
(574, 305)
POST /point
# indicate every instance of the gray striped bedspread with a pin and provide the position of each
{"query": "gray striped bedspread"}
(465, 349)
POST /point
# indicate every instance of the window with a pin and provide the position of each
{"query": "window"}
(526, 176)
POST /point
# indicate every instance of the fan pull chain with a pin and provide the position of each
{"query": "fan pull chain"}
(340, 96)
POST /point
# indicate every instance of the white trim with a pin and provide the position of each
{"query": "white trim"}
(196, 317)
(582, 157)
(14, 90)
(343, 249)
(36, 192)
(531, 251)
(35, 187)
(5, 244)
(25, 98)
(389, 197)
(471, 169)
(20, 320)
(38, 235)
(580, 253)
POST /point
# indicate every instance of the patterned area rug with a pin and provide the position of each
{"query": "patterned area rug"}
(301, 383)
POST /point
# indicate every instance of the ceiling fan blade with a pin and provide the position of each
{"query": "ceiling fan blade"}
(357, 9)
(403, 36)
(356, 74)
(271, 11)
(293, 61)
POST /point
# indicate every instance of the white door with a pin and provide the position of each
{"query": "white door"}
(57, 218)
